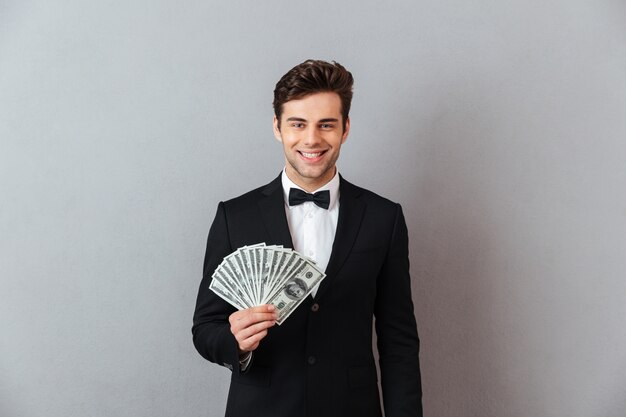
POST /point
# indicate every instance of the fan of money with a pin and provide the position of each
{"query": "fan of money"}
(260, 274)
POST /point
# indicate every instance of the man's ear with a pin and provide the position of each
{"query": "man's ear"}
(277, 134)
(344, 137)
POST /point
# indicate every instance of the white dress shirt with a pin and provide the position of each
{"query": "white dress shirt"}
(312, 231)
(313, 228)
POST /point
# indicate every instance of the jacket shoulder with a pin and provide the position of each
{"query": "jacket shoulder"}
(249, 199)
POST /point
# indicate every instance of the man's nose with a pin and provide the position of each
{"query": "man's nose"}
(312, 136)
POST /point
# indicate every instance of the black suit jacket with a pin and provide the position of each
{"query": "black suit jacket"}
(320, 361)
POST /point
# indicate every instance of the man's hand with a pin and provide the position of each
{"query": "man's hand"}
(250, 326)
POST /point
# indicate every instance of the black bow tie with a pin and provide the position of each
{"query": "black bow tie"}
(321, 198)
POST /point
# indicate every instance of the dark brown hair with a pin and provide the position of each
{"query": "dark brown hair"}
(314, 76)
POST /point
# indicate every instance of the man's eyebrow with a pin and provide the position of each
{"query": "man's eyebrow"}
(325, 120)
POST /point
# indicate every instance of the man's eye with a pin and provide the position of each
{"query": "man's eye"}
(326, 126)
(297, 125)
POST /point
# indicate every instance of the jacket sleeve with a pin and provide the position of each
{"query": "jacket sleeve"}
(211, 329)
(398, 342)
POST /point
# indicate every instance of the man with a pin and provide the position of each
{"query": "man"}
(319, 362)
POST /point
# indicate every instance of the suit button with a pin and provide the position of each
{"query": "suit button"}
(315, 307)
(311, 360)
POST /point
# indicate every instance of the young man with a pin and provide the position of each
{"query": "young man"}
(319, 362)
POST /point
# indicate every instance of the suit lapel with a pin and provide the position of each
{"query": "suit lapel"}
(351, 210)
(272, 209)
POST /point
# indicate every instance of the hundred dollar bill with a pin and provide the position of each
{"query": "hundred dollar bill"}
(293, 263)
(253, 252)
(296, 288)
(232, 285)
(235, 280)
(235, 263)
(257, 263)
(260, 274)
(225, 294)
(248, 267)
(278, 262)
(291, 260)
(264, 257)
(272, 258)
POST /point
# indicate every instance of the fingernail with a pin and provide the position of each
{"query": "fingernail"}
(271, 307)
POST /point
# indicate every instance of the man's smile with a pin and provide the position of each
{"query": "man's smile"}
(312, 155)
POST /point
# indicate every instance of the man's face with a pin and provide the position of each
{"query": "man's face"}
(311, 132)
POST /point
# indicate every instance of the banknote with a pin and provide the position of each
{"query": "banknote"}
(225, 294)
(297, 285)
(266, 274)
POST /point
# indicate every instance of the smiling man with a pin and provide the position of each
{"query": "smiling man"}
(312, 134)
(319, 362)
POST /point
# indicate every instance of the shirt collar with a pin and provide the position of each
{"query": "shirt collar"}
(332, 186)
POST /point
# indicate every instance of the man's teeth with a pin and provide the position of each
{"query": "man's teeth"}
(311, 155)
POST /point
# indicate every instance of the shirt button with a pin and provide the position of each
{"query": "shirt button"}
(311, 360)
(309, 215)
(315, 307)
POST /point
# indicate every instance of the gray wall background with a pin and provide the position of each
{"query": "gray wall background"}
(499, 126)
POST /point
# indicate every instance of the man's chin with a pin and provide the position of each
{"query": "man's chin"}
(310, 174)
(314, 175)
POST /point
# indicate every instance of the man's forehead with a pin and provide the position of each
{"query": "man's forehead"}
(326, 105)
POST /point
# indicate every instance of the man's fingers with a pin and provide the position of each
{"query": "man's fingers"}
(252, 319)
(253, 329)
(250, 326)
(266, 308)
(252, 342)
(249, 338)
(245, 318)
